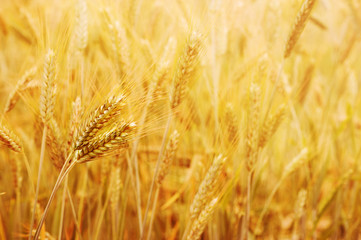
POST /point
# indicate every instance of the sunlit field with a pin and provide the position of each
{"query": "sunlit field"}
(180, 119)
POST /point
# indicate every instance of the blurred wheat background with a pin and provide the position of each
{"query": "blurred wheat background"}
(180, 119)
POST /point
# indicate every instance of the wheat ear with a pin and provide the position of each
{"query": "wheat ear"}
(253, 126)
(47, 98)
(298, 26)
(202, 220)
(207, 188)
(74, 122)
(14, 96)
(100, 146)
(231, 123)
(104, 144)
(305, 85)
(10, 140)
(55, 144)
(299, 210)
(185, 69)
(81, 26)
(169, 155)
(103, 116)
(270, 126)
(47, 102)
(120, 47)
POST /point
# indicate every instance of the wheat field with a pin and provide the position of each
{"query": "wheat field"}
(180, 119)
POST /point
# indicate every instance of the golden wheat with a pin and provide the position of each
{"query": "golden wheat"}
(298, 26)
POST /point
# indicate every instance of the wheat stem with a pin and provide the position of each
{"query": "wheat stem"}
(42, 152)
(156, 172)
(63, 172)
(149, 234)
(62, 209)
(73, 212)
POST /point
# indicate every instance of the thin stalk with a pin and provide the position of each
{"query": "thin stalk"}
(18, 208)
(28, 170)
(83, 189)
(62, 209)
(102, 215)
(64, 171)
(124, 208)
(73, 212)
(113, 216)
(248, 206)
(156, 172)
(134, 155)
(42, 152)
(153, 212)
(134, 182)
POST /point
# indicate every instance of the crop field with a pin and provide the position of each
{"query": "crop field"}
(180, 119)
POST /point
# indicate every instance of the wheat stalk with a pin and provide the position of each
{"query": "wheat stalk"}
(168, 157)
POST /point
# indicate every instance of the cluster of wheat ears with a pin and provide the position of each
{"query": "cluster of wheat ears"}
(209, 119)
